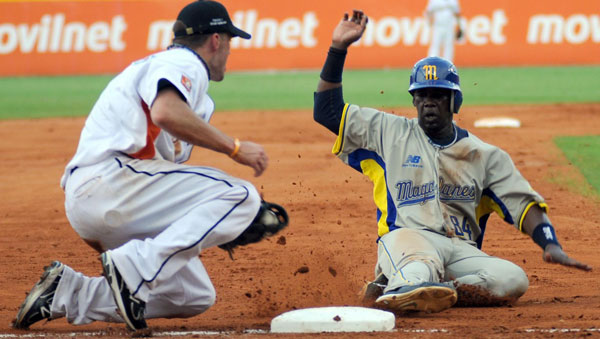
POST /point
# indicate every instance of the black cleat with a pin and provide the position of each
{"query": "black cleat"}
(37, 304)
(130, 308)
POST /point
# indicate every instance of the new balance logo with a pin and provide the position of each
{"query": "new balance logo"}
(45, 311)
(413, 161)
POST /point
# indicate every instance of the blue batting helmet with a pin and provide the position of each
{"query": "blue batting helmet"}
(437, 72)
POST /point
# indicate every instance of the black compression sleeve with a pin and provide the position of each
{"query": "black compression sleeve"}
(334, 65)
(328, 108)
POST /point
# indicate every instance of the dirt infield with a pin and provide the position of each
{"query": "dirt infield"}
(329, 249)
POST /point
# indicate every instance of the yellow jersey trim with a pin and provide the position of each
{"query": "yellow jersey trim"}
(487, 205)
(531, 204)
(338, 146)
(376, 174)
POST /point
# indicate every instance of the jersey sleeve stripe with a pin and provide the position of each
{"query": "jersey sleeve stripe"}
(482, 225)
(372, 165)
(338, 146)
(490, 202)
(531, 204)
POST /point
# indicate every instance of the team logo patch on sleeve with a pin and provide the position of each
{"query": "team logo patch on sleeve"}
(186, 82)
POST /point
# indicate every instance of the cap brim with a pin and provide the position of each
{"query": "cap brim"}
(238, 32)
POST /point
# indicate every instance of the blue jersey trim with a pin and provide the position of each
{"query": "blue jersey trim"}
(507, 217)
(172, 172)
(176, 45)
(461, 133)
(482, 225)
(354, 160)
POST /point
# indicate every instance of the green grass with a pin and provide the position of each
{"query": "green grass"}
(530, 85)
(387, 88)
(35, 97)
(40, 97)
(583, 152)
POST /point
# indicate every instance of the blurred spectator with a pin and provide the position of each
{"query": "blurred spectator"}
(443, 16)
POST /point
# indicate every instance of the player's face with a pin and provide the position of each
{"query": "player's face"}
(433, 108)
(219, 62)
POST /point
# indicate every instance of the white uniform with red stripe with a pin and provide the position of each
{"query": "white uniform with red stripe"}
(127, 190)
(119, 121)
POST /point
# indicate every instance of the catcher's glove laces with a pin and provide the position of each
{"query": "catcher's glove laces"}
(271, 218)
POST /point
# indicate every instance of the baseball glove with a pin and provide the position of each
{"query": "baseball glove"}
(271, 218)
(459, 34)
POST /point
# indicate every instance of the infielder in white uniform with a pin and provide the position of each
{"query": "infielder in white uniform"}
(435, 185)
(443, 17)
(130, 197)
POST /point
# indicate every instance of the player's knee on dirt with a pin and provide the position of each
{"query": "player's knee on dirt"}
(519, 283)
(201, 304)
(502, 287)
(188, 303)
(189, 310)
(511, 282)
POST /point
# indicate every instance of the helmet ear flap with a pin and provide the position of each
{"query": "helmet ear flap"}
(456, 101)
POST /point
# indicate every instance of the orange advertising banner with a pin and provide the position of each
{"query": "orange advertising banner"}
(47, 37)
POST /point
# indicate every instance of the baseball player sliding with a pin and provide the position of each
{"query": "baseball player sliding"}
(435, 185)
(129, 196)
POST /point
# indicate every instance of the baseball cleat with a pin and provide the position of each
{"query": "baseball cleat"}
(37, 304)
(426, 297)
(129, 307)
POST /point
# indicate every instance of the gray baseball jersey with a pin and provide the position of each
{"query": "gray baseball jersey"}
(449, 189)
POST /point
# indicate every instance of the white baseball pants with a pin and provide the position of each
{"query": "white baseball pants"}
(408, 256)
(155, 217)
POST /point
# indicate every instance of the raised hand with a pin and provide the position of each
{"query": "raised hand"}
(349, 30)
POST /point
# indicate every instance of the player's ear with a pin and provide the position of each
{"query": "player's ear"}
(413, 101)
(215, 41)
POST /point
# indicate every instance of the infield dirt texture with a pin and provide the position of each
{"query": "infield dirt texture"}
(329, 249)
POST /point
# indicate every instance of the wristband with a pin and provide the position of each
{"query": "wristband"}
(544, 234)
(236, 149)
(334, 65)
